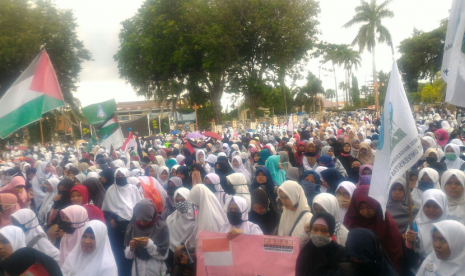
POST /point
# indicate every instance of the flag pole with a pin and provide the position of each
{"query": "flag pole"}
(409, 202)
(41, 132)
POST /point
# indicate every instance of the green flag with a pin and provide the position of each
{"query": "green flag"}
(97, 113)
(92, 142)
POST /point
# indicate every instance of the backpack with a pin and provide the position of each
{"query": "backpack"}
(150, 192)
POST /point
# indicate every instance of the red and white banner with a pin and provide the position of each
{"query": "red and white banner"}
(246, 255)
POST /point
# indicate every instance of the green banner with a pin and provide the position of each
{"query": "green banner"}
(92, 142)
(97, 113)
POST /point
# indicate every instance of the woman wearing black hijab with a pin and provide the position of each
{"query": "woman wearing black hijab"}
(107, 178)
(96, 191)
(335, 145)
(223, 169)
(367, 257)
(183, 173)
(345, 157)
(331, 179)
(264, 211)
(22, 259)
(321, 255)
(291, 155)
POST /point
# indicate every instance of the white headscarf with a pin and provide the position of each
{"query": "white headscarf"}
(425, 225)
(457, 163)
(159, 172)
(161, 160)
(136, 165)
(211, 216)
(180, 225)
(220, 194)
(456, 205)
(99, 262)
(297, 196)
(454, 233)
(417, 193)
(238, 181)
(241, 168)
(248, 227)
(14, 235)
(118, 163)
(330, 204)
(37, 181)
(92, 174)
(350, 188)
(121, 200)
(48, 201)
(29, 220)
(197, 155)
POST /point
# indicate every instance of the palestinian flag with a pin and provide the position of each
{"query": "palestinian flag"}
(34, 93)
(110, 133)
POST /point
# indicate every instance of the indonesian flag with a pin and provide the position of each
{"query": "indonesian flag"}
(34, 93)
(217, 252)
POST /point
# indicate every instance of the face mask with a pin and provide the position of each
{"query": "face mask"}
(355, 170)
(343, 202)
(450, 156)
(201, 159)
(425, 185)
(211, 187)
(183, 206)
(431, 160)
(365, 179)
(311, 154)
(235, 218)
(121, 181)
(170, 190)
(319, 240)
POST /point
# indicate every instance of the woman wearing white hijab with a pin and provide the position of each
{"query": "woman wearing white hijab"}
(181, 222)
(238, 218)
(48, 200)
(433, 144)
(448, 258)
(432, 199)
(212, 182)
(328, 203)
(92, 174)
(35, 236)
(453, 160)
(453, 183)
(420, 187)
(92, 256)
(135, 165)
(238, 181)
(15, 237)
(162, 169)
(161, 161)
(200, 158)
(238, 167)
(210, 217)
(344, 192)
(118, 163)
(43, 173)
(296, 211)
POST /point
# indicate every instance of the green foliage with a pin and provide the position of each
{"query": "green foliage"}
(422, 56)
(383, 80)
(433, 92)
(355, 92)
(305, 98)
(25, 26)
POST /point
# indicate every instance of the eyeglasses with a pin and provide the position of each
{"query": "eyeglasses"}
(345, 195)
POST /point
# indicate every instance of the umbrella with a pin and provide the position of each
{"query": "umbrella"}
(194, 135)
(175, 132)
(212, 135)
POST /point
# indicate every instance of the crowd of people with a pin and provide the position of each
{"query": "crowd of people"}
(139, 212)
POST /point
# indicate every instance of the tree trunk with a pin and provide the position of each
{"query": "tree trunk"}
(216, 95)
(335, 86)
(282, 84)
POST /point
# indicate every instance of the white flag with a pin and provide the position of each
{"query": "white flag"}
(399, 146)
(290, 125)
(453, 64)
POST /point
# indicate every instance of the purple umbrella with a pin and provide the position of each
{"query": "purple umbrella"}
(194, 135)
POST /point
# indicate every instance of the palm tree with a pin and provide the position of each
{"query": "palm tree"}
(372, 31)
(348, 59)
(330, 93)
(332, 54)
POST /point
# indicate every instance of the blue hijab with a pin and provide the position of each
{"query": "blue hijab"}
(269, 185)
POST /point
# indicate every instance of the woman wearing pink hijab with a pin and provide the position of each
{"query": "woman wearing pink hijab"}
(442, 137)
(73, 218)
(9, 204)
(17, 187)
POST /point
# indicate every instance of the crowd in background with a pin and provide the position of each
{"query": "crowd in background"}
(139, 212)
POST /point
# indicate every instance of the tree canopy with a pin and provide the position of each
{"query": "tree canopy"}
(24, 27)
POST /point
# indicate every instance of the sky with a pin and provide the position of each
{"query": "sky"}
(99, 26)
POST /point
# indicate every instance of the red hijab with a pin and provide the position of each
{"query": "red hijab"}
(386, 229)
(299, 154)
(93, 211)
